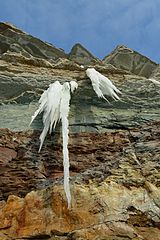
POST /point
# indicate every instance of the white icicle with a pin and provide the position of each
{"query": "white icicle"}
(64, 111)
(154, 81)
(54, 102)
(51, 112)
(102, 85)
(42, 101)
(49, 104)
(74, 86)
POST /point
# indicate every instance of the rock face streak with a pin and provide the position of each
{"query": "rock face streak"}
(114, 148)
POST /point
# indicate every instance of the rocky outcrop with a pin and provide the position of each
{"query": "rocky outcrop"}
(13, 40)
(114, 184)
(156, 73)
(44, 215)
(22, 47)
(99, 156)
(22, 85)
(81, 55)
(128, 59)
(114, 147)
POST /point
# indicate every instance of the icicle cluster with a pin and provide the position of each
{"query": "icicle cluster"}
(102, 85)
(54, 102)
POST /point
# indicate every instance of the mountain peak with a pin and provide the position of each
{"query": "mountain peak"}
(6, 25)
(125, 58)
(15, 40)
(81, 55)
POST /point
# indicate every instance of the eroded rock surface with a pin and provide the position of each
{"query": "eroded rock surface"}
(81, 55)
(114, 148)
(13, 40)
(128, 59)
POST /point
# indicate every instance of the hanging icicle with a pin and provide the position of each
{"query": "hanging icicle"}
(54, 102)
(64, 112)
(102, 85)
(154, 81)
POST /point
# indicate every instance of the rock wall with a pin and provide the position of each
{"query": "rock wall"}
(114, 148)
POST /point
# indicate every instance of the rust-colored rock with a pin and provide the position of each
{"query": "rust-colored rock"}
(114, 185)
(7, 154)
(97, 212)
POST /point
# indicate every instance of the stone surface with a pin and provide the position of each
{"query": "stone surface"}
(114, 148)
(81, 55)
(44, 214)
(7, 154)
(13, 40)
(128, 59)
(156, 73)
(115, 175)
(96, 156)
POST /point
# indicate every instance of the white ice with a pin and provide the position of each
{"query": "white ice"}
(102, 85)
(54, 102)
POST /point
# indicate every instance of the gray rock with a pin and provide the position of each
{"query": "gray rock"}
(81, 55)
(125, 58)
(10, 35)
(156, 73)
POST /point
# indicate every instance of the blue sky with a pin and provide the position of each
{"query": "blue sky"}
(99, 25)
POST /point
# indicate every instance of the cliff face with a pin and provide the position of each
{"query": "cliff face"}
(114, 148)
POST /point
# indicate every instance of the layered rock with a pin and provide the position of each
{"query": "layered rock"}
(156, 73)
(114, 148)
(17, 41)
(128, 59)
(114, 185)
(81, 55)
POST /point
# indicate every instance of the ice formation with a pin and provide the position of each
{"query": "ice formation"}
(154, 81)
(54, 102)
(102, 85)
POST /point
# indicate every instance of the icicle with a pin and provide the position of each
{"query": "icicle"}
(43, 102)
(54, 102)
(102, 85)
(74, 86)
(64, 111)
(154, 81)
(51, 112)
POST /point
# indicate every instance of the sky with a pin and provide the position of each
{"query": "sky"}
(99, 25)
